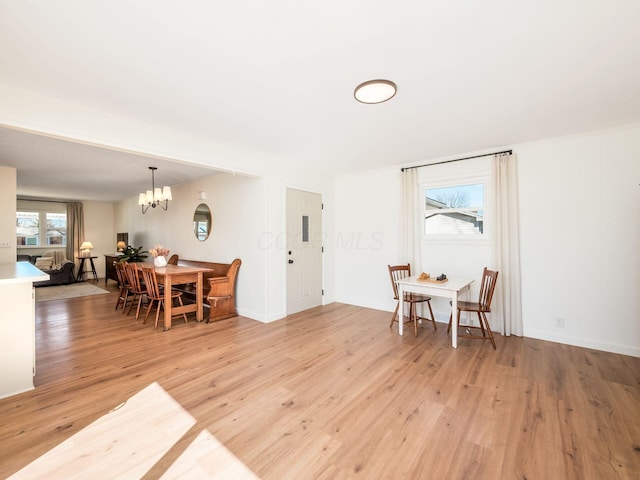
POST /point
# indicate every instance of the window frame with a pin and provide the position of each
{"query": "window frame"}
(43, 229)
(477, 239)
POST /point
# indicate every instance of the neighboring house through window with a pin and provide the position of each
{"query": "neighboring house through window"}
(454, 209)
(41, 229)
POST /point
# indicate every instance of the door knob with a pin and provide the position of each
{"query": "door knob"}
(290, 261)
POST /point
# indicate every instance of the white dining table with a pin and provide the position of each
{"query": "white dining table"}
(452, 289)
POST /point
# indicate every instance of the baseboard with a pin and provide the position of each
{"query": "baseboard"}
(584, 342)
(17, 392)
(258, 317)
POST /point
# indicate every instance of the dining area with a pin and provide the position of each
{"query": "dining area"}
(175, 290)
(419, 289)
(143, 286)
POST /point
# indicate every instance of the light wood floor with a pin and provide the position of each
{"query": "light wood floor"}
(333, 393)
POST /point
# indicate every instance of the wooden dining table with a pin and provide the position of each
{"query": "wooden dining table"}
(177, 275)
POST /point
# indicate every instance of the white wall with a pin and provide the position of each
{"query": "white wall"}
(99, 230)
(580, 234)
(8, 213)
(580, 229)
(366, 240)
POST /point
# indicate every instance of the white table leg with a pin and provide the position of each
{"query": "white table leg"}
(454, 320)
(400, 309)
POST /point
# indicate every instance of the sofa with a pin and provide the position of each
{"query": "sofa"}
(54, 264)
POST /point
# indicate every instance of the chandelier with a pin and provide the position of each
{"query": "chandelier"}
(153, 197)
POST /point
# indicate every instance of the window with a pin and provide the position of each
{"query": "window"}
(41, 229)
(456, 210)
(56, 228)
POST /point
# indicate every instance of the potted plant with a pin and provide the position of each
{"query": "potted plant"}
(131, 254)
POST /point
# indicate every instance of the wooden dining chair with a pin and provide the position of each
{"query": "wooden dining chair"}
(123, 283)
(136, 288)
(156, 295)
(397, 272)
(481, 307)
(173, 259)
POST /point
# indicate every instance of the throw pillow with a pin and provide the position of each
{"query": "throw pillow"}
(44, 263)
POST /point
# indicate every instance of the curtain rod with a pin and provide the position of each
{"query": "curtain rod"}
(27, 199)
(456, 160)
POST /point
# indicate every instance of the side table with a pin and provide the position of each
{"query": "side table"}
(110, 269)
(81, 271)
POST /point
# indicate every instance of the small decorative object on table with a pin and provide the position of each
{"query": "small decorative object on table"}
(427, 278)
(159, 254)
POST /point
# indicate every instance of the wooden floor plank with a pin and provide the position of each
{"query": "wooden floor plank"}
(333, 392)
(125, 442)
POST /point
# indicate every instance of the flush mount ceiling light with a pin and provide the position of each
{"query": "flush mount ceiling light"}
(154, 196)
(375, 91)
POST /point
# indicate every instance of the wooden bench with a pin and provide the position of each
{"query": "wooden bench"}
(219, 287)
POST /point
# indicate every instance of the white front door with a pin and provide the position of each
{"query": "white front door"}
(304, 250)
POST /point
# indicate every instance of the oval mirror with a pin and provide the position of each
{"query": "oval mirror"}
(202, 222)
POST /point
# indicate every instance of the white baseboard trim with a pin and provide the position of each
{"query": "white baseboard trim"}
(584, 342)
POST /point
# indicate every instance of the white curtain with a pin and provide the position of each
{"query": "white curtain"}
(411, 222)
(507, 306)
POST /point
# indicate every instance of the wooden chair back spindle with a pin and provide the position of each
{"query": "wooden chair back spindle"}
(135, 287)
(489, 279)
(398, 272)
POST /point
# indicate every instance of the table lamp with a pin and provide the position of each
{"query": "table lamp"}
(121, 246)
(86, 249)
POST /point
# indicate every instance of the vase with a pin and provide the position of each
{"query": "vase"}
(160, 261)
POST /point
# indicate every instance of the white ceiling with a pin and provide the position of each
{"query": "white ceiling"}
(278, 77)
(57, 169)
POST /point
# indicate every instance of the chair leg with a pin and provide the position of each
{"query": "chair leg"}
(486, 322)
(133, 300)
(433, 319)
(450, 321)
(413, 314)
(395, 314)
(160, 303)
(120, 299)
(139, 305)
(484, 334)
(184, 315)
(149, 308)
(126, 299)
